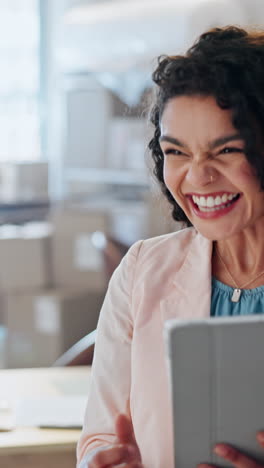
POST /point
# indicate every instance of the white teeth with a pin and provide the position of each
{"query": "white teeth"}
(211, 202)
(202, 201)
(215, 208)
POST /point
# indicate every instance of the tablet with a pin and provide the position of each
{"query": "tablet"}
(216, 373)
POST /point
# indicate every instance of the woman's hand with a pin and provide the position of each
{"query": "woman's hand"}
(236, 458)
(125, 451)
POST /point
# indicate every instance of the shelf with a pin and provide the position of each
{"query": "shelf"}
(108, 176)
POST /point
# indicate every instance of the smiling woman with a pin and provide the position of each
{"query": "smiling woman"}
(205, 167)
(207, 148)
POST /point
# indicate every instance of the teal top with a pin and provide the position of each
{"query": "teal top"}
(251, 300)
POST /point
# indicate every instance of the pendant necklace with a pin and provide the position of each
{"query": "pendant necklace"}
(238, 289)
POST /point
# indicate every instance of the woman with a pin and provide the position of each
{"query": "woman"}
(208, 152)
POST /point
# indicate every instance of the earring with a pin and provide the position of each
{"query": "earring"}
(211, 179)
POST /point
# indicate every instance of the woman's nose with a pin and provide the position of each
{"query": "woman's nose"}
(200, 174)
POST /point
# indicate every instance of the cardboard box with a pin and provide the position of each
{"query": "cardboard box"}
(25, 257)
(43, 325)
(128, 221)
(76, 260)
(24, 181)
(159, 218)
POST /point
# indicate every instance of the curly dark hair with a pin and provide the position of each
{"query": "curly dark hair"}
(228, 64)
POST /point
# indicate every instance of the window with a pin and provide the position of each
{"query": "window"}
(19, 80)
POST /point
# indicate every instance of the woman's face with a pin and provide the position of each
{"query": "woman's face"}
(205, 167)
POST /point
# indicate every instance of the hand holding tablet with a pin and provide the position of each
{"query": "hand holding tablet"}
(235, 457)
(216, 371)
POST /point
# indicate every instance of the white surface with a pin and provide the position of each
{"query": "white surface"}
(7, 416)
(51, 396)
(52, 411)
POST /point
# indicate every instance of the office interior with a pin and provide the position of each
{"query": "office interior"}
(76, 191)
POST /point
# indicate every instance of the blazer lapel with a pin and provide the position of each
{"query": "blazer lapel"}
(191, 290)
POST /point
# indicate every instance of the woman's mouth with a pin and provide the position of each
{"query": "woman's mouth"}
(214, 205)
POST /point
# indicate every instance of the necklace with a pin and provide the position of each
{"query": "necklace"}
(238, 289)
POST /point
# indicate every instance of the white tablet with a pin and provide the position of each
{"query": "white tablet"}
(216, 372)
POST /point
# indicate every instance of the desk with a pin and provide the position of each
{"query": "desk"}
(30, 447)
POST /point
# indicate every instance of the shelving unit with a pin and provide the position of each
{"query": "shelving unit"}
(107, 176)
(100, 144)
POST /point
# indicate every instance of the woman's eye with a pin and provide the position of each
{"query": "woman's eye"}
(231, 149)
(174, 151)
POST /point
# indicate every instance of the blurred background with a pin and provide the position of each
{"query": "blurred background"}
(76, 188)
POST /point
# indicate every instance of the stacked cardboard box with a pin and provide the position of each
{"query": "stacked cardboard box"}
(75, 259)
(25, 261)
(24, 181)
(52, 284)
(127, 221)
(25, 266)
(159, 219)
(44, 324)
(53, 275)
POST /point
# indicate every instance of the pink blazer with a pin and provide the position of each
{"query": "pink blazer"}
(160, 278)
